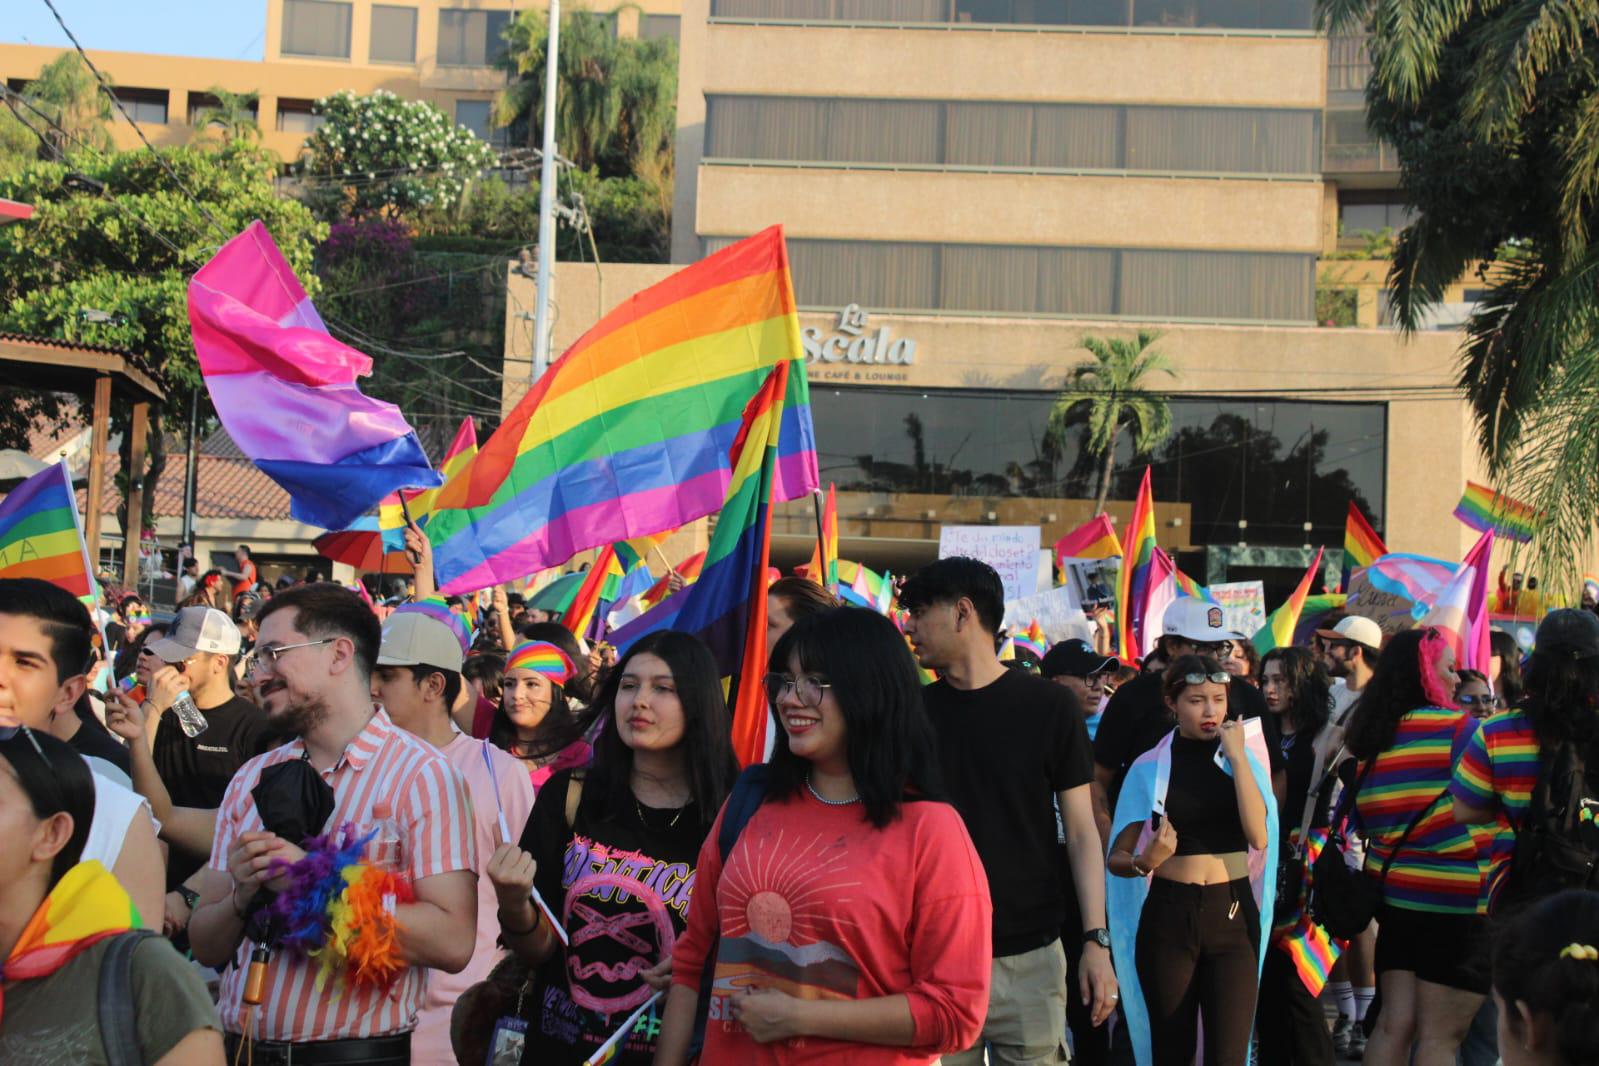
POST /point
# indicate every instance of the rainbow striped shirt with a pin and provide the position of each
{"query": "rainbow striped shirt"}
(1498, 771)
(1437, 868)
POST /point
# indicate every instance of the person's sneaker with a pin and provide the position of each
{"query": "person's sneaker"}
(1341, 1035)
(1357, 1042)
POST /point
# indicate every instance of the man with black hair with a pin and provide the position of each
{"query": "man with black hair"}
(244, 577)
(1012, 746)
(1353, 647)
(45, 652)
(312, 667)
(417, 681)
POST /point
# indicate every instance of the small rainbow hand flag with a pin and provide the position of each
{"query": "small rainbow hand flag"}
(608, 1050)
(1362, 545)
(1483, 509)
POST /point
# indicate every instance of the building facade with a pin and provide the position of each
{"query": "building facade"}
(969, 187)
(442, 51)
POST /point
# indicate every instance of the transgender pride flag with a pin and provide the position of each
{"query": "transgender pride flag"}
(286, 390)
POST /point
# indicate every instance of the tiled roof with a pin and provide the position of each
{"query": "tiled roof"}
(57, 342)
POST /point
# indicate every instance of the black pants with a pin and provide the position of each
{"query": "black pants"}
(1196, 955)
(1090, 1044)
(1290, 1023)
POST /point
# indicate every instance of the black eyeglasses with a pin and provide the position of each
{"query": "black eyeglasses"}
(7, 732)
(808, 689)
(1215, 647)
(1200, 679)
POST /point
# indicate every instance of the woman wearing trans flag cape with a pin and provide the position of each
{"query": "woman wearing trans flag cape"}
(1191, 877)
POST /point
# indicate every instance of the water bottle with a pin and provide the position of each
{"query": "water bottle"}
(388, 847)
(189, 716)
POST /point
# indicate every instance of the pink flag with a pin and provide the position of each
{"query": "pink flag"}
(1477, 650)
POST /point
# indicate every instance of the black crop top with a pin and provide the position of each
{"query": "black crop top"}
(1201, 800)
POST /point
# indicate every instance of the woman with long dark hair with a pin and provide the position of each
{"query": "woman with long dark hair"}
(613, 851)
(1290, 1023)
(1504, 667)
(1546, 983)
(1186, 900)
(534, 721)
(851, 916)
(1405, 733)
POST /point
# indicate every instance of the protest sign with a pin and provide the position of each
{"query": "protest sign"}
(1011, 550)
(1057, 611)
(1244, 604)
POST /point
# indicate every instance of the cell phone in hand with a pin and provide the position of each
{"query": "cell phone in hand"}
(1154, 821)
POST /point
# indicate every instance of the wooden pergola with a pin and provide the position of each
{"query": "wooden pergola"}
(46, 364)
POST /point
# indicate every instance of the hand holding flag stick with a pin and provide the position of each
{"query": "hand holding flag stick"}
(607, 1051)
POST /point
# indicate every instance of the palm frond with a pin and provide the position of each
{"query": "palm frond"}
(1430, 255)
(1407, 41)
(1517, 47)
(1342, 18)
(1579, 187)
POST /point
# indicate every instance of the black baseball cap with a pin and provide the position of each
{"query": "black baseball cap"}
(1075, 658)
(1569, 631)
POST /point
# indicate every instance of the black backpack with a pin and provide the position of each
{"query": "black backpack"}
(1557, 844)
(119, 1032)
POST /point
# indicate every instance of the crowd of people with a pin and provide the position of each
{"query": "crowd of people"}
(299, 825)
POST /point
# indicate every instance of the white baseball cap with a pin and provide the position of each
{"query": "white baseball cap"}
(1356, 629)
(411, 638)
(197, 630)
(1196, 621)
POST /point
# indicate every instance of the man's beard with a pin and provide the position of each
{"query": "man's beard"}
(301, 712)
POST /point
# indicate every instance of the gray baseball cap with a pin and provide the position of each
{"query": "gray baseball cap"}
(197, 630)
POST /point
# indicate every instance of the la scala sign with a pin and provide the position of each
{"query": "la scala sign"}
(852, 340)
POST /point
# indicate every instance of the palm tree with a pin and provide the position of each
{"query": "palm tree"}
(1110, 395)
(233, 115)
(1493, 110)
(79, 112)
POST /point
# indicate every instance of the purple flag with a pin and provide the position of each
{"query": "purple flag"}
(286, 390)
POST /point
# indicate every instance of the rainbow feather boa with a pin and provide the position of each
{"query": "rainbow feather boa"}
(339, 910)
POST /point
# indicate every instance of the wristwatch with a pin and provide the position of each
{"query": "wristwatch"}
(1097, 936)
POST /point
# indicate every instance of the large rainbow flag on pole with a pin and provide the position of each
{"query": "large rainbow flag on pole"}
(391, 515)
(1483, 509)
(824, 559)
(1278, 632)
(287, 392)
(1362, 545)
(630, 431)
(1132, 589)
(41, 536)
(726, 607)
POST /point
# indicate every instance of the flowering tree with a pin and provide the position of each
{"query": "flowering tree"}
(380, 154)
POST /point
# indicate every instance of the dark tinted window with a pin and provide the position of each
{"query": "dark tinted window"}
(316, 28)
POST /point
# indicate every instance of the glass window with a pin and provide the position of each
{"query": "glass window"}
(200, 102)
(1277, 464)
(471, 38)
(652, 26)
(1061, 136)
(1152, 284)
(316, 28)
(1364, 213)
(298, 116)
(1159, 14)
(393, 34)
(474, 115)
(144, 106)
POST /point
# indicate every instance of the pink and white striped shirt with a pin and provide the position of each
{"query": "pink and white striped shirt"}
(383, 764)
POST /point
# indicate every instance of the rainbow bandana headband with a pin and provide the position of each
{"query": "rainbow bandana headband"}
(86, 906)
(542, 657)
(435, 608)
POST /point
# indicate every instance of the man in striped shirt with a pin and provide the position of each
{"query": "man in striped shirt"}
(313, 663)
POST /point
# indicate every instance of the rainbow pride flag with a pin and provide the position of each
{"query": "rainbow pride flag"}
(41, 536)
(391, 515)
(1278, 632)
(580, 615)
(1362, 545)
(726, 607)
(824, 560)
(1187, 586)
(688, 570)
(1094, 539)
(1483, 509)
(1315, 614)
(1032, 639)
(1138, 553)
(631, 430)
(1312, 950)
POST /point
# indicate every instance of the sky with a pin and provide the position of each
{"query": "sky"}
(217, 29)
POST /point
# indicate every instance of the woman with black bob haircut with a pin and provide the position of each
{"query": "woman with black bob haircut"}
(1546, 982)
(52, 991)
(851, 914)
(614, 848)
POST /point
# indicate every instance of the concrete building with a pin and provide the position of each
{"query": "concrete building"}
(971, 186)
(443, 51)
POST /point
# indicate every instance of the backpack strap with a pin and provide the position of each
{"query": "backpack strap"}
(118, 1023)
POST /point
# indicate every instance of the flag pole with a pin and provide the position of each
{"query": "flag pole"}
(541, 311)
(821, 542)
(670, 569)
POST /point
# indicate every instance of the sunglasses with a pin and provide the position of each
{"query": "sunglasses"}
(1215, 648)
(1200, 679)
(1480, 701)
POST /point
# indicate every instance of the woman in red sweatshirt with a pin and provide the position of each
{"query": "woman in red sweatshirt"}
(850, 922)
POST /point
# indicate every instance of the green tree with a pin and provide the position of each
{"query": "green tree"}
(1493, 110)
(381, 155)
(129, 251)
(232, 117)
(60, 111)
(616, 107)
(1111, 394)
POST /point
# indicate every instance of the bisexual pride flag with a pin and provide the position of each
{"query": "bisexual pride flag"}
(286, 390)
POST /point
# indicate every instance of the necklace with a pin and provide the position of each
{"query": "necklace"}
(639, 807)
(823, 799)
